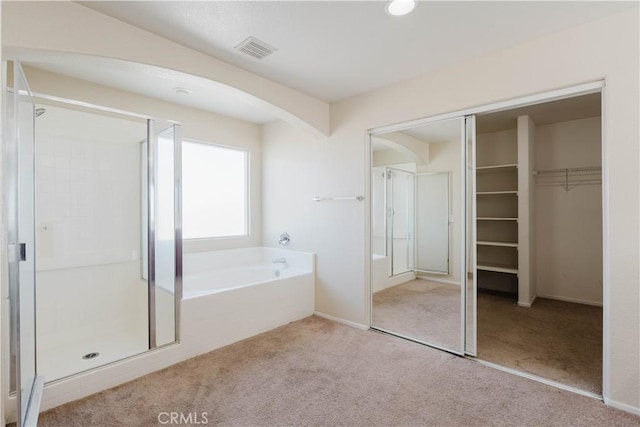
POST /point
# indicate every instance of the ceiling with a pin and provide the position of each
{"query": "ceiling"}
(334, 50)
(438, 132)
(331, 50)
(432, 133)
(575, 108)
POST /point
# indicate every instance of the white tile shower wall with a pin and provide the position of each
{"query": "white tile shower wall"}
(88, 202)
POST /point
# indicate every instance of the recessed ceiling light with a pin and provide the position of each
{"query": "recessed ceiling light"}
(400, 7)
(182, 91)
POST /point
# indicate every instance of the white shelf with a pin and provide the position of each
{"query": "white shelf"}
(499, 268)
(501, 244)
(508, 166)
(496, 219)
(487, 193)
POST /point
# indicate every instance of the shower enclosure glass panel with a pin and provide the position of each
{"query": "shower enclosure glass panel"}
(165, 290)
(21, 244)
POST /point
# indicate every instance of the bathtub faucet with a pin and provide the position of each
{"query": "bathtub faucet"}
(279, 261)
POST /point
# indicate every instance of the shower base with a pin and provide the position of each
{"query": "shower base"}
(63, 361)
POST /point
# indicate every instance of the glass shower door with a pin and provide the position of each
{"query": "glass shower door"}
(399, 219)
(21, 246)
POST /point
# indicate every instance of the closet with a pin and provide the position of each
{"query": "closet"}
(539, 240)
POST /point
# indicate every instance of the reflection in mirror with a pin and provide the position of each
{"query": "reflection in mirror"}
(417, 235)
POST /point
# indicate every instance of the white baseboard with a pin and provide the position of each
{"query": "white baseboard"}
(438, 280)
(340, 320)
(574, 300)
(622, 406)
(537, 378)
(527, 304)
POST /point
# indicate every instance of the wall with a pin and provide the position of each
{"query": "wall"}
(526, 212)
(569, 223)
(297, 168)
(196, 125)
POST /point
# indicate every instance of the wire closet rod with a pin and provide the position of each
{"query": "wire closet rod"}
(582, 169)
(322, 199)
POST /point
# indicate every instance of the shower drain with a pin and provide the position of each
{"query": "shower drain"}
(90, 355)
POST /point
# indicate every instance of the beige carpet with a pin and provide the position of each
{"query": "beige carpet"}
(317, 372)
(557, 340)
(420, 309)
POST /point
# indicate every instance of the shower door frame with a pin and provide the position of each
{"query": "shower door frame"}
(17, 247)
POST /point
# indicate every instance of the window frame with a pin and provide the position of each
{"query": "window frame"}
(247, 190)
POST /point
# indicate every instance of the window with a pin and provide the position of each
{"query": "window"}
(214, 191)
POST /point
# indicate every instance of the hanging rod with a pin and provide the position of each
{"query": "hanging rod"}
(569, 170)
(322, 199)
(567, 179)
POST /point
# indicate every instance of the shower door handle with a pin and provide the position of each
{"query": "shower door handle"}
(22, 252)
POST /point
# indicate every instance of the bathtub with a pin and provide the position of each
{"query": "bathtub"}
(380, 279)
(234, 294)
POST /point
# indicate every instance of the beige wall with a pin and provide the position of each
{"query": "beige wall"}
(196, 124)
(296, 168)
(568, 224)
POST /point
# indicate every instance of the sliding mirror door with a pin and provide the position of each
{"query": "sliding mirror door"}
(419, 260)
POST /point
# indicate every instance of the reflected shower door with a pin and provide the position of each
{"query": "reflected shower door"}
(399, 208)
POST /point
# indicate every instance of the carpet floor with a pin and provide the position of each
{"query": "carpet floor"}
(420, 309)
(553, 339)
(317, 372)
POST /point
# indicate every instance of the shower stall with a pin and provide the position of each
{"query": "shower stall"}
(415, 208)
(93, 237)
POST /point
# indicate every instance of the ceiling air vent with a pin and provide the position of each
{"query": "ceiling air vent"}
(257, 48)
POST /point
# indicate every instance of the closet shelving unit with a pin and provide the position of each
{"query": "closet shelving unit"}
(497, 218)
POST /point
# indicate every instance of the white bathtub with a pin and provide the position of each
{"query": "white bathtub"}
(380, 274)
(218, 271)
(234, 294)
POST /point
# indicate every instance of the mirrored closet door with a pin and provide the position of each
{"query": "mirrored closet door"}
(418, 236)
